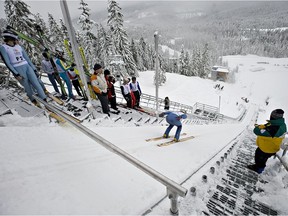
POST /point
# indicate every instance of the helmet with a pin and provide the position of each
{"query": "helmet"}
(59, 51)
(9, 34)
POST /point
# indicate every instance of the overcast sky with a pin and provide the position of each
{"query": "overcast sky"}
(53, 6)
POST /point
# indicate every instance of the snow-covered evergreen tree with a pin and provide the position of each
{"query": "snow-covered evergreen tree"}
(56, 35)
(162, 75)
(105, 48)
(195, 63)
(63, 29)
(184, 62)
(204, 68)
(88, 39)
(120, 37)
(143, 53)
(135, 53)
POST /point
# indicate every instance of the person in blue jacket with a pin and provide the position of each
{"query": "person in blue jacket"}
(62, 70)
(18, 62)
(174, 119)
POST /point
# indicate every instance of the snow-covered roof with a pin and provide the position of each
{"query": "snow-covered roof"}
(220, 69)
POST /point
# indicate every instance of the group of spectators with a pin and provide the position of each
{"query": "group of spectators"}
(103, 85)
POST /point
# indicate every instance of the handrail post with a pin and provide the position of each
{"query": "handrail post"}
(173, 196)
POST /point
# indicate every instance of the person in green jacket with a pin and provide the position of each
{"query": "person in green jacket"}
(269, 139)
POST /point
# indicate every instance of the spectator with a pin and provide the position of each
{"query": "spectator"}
(75, 81)
(269, 139)
(126, 92)
(99, 85)
(111, 93)
(136, 90)
(174, 119)
(166, 103)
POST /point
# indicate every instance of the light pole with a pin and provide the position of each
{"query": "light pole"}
(156, 38)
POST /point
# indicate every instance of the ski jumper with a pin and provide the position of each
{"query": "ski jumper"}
(18, 62)
(48, 68)
(174, 119)
(62, 70)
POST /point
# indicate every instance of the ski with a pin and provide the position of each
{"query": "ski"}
(145, 111)
(160, 137)
(173, 142)
(85, 67)
(54, 98)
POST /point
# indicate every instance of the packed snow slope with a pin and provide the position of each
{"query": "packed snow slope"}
(51, 169)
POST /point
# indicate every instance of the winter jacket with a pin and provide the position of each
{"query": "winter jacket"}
(60, 65)
(15, 56)
(47, 66)
(174, 118)
(99, 83)
(270, 135)
(125, 90)
(72, 75)
(111, 90)
(135, 87)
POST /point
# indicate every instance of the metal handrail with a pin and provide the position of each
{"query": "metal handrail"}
(150, 101)
(173, 189)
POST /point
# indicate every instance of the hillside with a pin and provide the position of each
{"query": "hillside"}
(228, 27)
(51, 169)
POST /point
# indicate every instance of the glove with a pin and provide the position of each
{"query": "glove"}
(127, 98)
(73, 64)
(161, 115)
(18, 77)
(260, 126)
(36, 73)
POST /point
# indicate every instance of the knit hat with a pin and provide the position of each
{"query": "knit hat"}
(106, 72)
(276, 114)
(97, 66)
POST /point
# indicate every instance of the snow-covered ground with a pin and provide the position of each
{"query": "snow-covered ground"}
(46, 168)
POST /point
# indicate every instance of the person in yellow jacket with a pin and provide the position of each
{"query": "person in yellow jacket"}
(99, 85)
(269, 139)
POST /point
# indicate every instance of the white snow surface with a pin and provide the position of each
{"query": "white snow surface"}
(46, 168)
